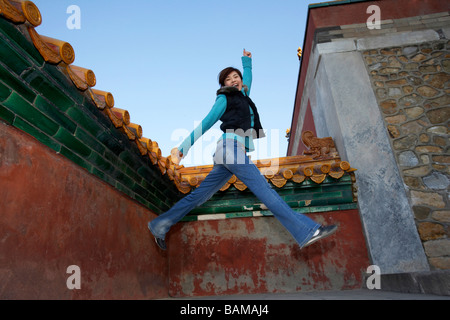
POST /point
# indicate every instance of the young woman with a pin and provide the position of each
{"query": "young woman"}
(240, 124)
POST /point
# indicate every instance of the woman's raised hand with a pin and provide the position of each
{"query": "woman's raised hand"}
(247, 54)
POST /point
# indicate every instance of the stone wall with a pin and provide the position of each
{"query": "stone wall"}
(412, 87)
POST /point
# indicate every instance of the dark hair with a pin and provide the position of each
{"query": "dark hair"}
(224, 74)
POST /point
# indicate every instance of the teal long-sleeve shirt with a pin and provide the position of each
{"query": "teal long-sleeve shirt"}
(217, 112)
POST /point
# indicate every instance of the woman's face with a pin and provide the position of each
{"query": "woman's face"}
(233, 80)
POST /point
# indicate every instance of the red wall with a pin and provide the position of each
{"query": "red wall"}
(257, 255)
(54, 214)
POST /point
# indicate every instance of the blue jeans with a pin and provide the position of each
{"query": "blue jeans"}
(230, 158)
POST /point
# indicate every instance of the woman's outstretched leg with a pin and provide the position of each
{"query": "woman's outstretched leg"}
(215, 180)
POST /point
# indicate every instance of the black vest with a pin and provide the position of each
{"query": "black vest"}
(237, 116)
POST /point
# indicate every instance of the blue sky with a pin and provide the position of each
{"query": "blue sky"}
(160, 60)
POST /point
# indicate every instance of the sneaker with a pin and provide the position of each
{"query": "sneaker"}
(159, 241)
(322, 233)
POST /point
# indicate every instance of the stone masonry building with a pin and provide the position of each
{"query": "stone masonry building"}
(383, 95)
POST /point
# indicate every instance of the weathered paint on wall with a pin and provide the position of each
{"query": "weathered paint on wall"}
(257, 255)
(55, 214)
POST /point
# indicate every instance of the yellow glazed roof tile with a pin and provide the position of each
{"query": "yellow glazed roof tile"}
(320, 161)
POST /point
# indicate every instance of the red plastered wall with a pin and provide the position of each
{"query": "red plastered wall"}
(53, 214)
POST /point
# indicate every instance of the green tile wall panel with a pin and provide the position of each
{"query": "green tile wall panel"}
(333, 193)
(146, 173)
(119, 186)
(160, 187)
(122, 178)
(225, 209)
(113, 144)
(103, 176)
(89, 140)
(113, 158)
(85, 121)
(244, 200)
(4, 91)
(266, 213)
(18, 36)
(100, 174)
(138, 189)
(6, 115)
(157, 203)
(100, 163)
(142, 201)
(36, 133)
(17, 84)
(49, 90)
(100, 117)
(131, 159)
(70, 142)
(327, 195)
(55, 114)
(347, 195)
(62, 81)
(12, 59)
(75, 158)
(19, 106)
(130, 172)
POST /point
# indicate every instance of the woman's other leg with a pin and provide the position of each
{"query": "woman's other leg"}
(300, 226)
(213, 182)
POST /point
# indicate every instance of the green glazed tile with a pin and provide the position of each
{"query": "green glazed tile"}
(15, 33)
(6, 115)
(16, 84)
(50, 91)
(4, 91)
(75, 158)
(89, 140)
(136, 177)
(131, 159)
(139, 190)
(124, 189)
(72, 143)
(327, 195)
(99, 162)
(55, 114)
(63, 81)
(19, 106)
(189, 218)
(115, 146)
(36, 133)
(12, 59)
(85, 121)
